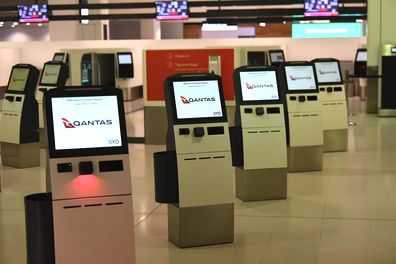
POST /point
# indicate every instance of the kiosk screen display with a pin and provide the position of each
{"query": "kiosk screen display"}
(197, 99)
(328, 72)
(86, 122)
(321, 8)
(259, 86)
(124, 58)
(58, 57)
(18, 79)
(361, 56)
(32, 13)
(50, 74)
(277, 57)
(171, 10)
(300, 77)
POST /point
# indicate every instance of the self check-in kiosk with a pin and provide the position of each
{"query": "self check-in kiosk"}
(194, 176)
(305, 133)
(89, 176)
(386, 91)
(19, 119)
(334, 111)
(260, 128)
(276, 57)
(53, 75)
(360, 64)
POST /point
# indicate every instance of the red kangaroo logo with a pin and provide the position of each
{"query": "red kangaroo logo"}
(184, 100)
(292, 77)
(249, 86)
(67, 124)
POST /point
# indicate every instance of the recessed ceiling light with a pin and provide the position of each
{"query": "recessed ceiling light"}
(262, 24)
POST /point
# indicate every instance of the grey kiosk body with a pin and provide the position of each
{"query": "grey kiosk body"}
(19, 119)
(259, 135)
(333, 101)
(54, 75)
(194, 176)
(89, 176)
(386, 91)
(304, 120)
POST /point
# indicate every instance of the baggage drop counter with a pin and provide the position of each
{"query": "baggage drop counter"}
(261, 168)
(19, 128)
(305, 133)
(198, 163)
(89, 176)
(332, 97)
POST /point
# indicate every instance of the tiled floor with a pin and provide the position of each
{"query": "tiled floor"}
(343, 214)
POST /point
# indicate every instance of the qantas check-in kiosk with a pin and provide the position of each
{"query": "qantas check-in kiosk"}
(305, 133)
(89, 176)
(260, 124)
(276, 57)
(19, 131)
(386, 91)
(54, 75)
(332, 97)
(194, 176)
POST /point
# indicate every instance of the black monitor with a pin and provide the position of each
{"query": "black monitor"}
(315, 8)
(59, 56)
(256, 85)
(54, 74)
(37, 13)
(85, 122)
(276, 57)
(195, 98)
(300, 77)
(256, 58)
(328, 71)
(171, 10)
(361, 55)
(125, 65)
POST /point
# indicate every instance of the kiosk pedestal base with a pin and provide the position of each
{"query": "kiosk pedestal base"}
(201, 225)
(308, 158)
(262, 184)
(335, 140)
(387, 112)
(20, 155)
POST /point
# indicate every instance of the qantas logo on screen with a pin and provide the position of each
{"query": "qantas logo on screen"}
(294, 78)
(327, 72)
(75, 124)
(197, 100)
(258, 86)
(50, 74)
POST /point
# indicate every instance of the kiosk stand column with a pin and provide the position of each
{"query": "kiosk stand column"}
(19, 130)
(305, 133)
(332, 97)
(386, 91)
(198, 139)
(261, 169)
(89, 176)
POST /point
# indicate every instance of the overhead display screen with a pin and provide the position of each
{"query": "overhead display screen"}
(33, 13)
(18, 79)
(50, 74)
(321, 8)
(171, 10)
(259, 86)
(197, 99)
(277, 57)
(86, 122)
(328, 72)
(361, 56)
(300, 77)
(125, 58)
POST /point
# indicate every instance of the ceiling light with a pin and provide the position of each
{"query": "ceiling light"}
(27, 24)
(39, 24)
(262, 24)
(218, 27)
(84, 21)
(359, 20)
(15, 23)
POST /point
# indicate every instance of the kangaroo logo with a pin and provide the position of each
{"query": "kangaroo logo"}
(184, 100)
(249, 86)
(66, 123)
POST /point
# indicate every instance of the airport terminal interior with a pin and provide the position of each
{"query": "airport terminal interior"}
(268, 143)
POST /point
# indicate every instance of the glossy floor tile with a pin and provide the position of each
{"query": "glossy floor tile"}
(343, 214)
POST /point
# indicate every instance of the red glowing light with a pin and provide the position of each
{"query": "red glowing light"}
(86, 185)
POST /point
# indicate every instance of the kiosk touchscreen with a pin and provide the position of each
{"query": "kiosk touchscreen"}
(360, 66)
(89, 175)
(19, 119)
(332, 97)
(260, 124)
(305, 133)
(198, 157)
(276, 57)
(53, 75)
(59, 56)
(125, 65)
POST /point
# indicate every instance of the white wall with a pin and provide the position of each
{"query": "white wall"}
(9, 57)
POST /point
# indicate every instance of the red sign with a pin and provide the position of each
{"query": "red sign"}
(160, 64)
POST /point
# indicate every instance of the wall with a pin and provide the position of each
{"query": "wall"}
(9, 57)
(24, 33)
